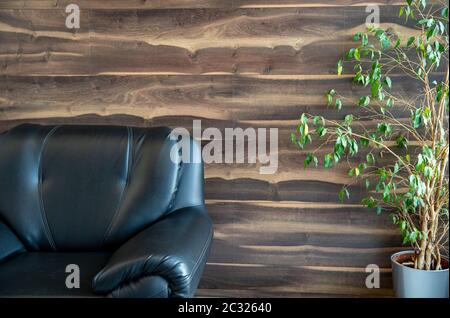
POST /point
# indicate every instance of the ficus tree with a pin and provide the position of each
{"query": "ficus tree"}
(395, 146)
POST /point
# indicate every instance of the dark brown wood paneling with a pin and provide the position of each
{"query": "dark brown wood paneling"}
(186, 4)
(240, 63)
(300, 233)
(280, 41)
(251, 100)
(250, 280)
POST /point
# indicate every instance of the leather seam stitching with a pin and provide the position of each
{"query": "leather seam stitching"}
(46, 225)
(197, 263)
(177, 185)
(119, 206)
(203, 252)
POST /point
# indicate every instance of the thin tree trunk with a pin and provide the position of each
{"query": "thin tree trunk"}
(423, 243)
(428, 256)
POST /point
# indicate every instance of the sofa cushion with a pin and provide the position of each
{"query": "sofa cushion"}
(85, 188)
(44, 274)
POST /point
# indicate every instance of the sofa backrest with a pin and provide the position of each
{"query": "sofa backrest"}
(87, 188)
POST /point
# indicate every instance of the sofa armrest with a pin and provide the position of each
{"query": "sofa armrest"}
(10, 245)
(174, 248)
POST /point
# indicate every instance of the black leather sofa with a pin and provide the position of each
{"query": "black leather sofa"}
(107, 199)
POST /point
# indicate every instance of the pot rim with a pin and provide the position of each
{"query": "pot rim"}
(393, 261)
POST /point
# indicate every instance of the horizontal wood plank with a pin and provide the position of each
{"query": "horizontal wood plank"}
(286, 41)
(266, 101)
(284, 281)
(293, 233)
(187, 4)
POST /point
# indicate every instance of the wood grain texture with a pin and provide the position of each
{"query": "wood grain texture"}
(248, 280)
(267, 41)
(249, 100)
(186, 4)
(240, 63)
(306, 233)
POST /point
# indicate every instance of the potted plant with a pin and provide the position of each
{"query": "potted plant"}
(395, 146)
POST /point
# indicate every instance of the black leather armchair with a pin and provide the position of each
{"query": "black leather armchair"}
(108, 199)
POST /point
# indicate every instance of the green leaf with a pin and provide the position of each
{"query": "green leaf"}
(353, 148)
(357, 54)
(428, 22)
(420, 165)
(328, 160)
(424, 3)
(329, 95)
(369, 202)
(444, 12)
(321, 131)
(339, 148)
(385, 129)
(340, 67)
(441, 27)
(386, 193)
(344, 194)
(305, 129)
(376, 89)
(427, 152)
(396, 168)
(304, 118)
(354, 172)
(364, 142)
(329, 99)
(403, 225)
(293, 137)
(308, 160)
(364, 101)
(319, 119)
(348, 119)
(364, 39)
(408, 158)
(417, 118)
(316, 161)
(350, 54)
(338, 103)
(388, 81)
(357, 36)
(428, 172)
(385, 42)
(389, 103)
(379, 32)
(410, 41)
(370, 158)
(402, 142)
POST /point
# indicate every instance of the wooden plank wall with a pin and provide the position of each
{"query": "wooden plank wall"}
(230, 63)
